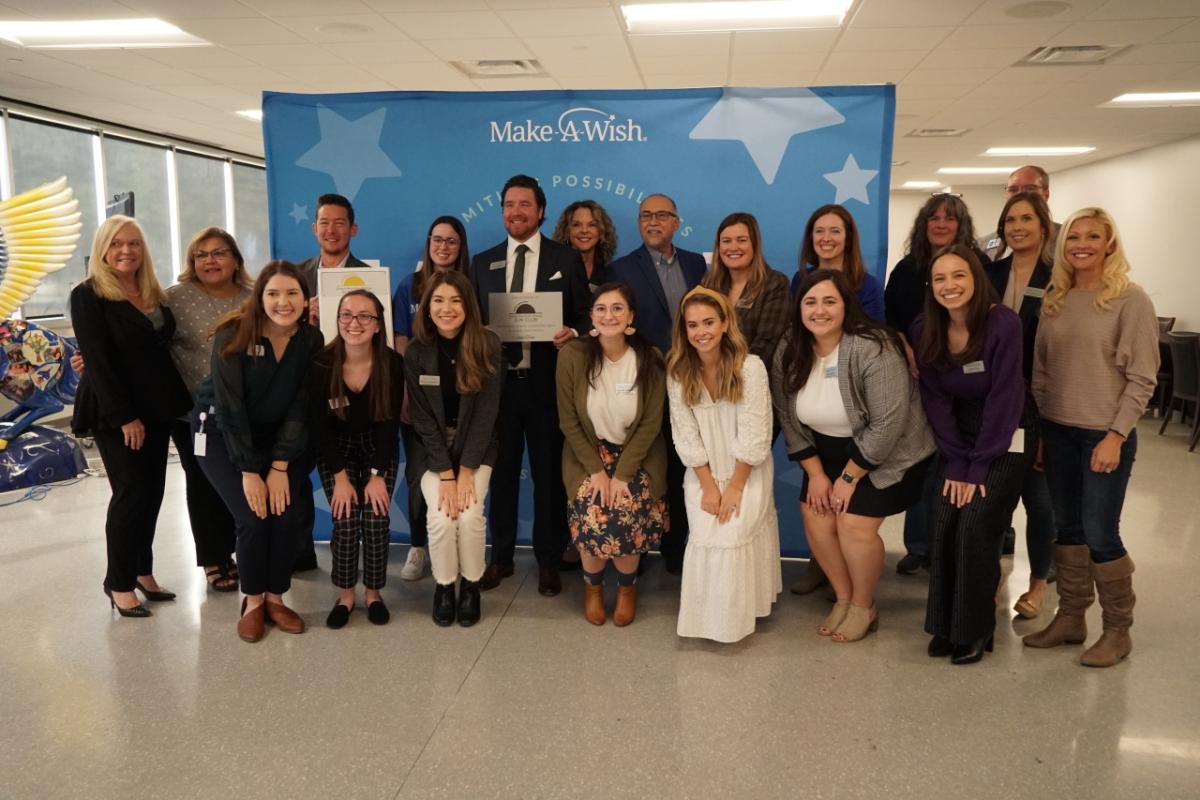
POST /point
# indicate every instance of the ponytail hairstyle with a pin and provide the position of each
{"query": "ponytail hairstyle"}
(474, 365)
(684, 364)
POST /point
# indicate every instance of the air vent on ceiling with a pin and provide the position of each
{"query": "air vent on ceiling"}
(1072, 55)
(500, 68)
(936, 133)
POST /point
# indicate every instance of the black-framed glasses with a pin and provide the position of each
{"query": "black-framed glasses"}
(1029, 187)
(661, 216)
(220, 252)
(440, 241)
(345, 318)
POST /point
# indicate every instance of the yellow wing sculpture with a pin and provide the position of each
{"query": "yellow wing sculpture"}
(38, 233)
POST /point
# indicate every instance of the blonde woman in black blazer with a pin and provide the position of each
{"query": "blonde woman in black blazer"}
(454, 373)
(127, 399)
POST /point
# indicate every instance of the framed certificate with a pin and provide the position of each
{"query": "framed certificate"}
(525, 316)
(334, 282)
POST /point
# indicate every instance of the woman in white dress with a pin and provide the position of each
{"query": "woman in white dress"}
(721, 416)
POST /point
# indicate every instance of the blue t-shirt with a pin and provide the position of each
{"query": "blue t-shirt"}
(404, 307)
(870, 294)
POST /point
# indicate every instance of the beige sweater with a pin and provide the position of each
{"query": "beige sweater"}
(1096, 368)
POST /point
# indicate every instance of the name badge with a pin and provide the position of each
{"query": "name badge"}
(430, 380)
(1018, 441)
(200, 445)
(256, 350)
(973, 368)
(338, 402)
(624, 388)
(992, 243)
(497, 264)
(1033, 291)
(831, 372)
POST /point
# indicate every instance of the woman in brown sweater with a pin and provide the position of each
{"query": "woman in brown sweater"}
(611, 390)
(1094, 368)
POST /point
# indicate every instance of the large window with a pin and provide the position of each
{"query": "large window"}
(250, 215)
(41, 153)
(201, 197)
(142, 169)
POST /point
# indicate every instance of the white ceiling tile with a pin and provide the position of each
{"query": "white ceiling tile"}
(1042, 75)
(906, 90)
(670, 65)
(271, 55)
(1189, 32)
(421, 6)
(783, 41)
(774, 77)
(382, 52)
(1123, 32)
(471, 49)
(950, 60)
(1179, 53)
(571, 62)
(434, 76)
(290, 8)
(877, 39)
(1025, 35)
(1144, 9)
(366, 28)
(70, 9)
(341, 74)
(189, 57)
(242, 31)
(607, 82)
(698, 45)
(956, 76)
(994, 12)
(683, 82)
(853, 77)
(883, 59)
(450, 25)
(892, 14)
(240, 75)
(502, 5)
(1127, 77)
(565, 22)
(764, 62)
(176, 11)
(215, 95)
(517, 84)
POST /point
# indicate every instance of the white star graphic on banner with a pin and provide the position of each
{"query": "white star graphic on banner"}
(764, 121)
(852, 181)
(299, 213)
(349, 152)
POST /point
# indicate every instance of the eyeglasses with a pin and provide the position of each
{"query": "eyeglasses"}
(661, 216)
(443, 241)
(345, 318)
(220, 252)
(1029, 187)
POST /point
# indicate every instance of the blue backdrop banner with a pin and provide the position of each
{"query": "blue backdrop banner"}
(404, 158)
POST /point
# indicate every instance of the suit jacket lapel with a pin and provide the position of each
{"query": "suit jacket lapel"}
(429, 366)
(651, 274)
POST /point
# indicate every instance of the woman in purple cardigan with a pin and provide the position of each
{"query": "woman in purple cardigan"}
(969, 352)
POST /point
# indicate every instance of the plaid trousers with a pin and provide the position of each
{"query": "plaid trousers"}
(363, 523)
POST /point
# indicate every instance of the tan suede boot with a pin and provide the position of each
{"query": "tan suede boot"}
(1114, 583)
(626, 607)
(1075, 595)
(593, 603)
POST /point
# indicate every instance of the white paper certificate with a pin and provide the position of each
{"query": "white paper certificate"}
(333, 283)
(525, 316)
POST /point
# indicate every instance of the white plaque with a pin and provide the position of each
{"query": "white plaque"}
(525, 316)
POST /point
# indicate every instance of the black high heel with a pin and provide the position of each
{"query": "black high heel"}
(940, 646)
(160, 594)
(971, 653)
(137, 611)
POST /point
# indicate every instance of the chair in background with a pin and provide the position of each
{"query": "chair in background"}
(1165, 324)
(1162, 390)
(1185, 380)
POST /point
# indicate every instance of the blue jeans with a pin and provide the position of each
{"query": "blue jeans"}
(1087, 504)
(1039, 523)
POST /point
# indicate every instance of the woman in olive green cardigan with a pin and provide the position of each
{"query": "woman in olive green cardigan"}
(611, 387)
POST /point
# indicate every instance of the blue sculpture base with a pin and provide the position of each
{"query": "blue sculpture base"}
(39, 455)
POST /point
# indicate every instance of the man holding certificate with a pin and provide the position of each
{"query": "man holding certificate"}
(533, 292)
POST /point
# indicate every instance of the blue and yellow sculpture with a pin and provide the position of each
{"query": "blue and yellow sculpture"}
(39, 231)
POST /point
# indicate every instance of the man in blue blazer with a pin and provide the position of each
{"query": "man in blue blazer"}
(526, 262)
(660, 274)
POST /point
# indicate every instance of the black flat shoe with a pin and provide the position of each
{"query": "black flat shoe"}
(443, 605)
(971, 653)
(378, 613)
(139, 611)
(156, 596)
(338, 617)
(939, 647)
(468, 603)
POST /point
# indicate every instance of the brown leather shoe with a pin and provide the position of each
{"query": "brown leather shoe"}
(493, 575)
(593, 603)
(284, 618)
(626, 608)
(549, 582)
(251, 625)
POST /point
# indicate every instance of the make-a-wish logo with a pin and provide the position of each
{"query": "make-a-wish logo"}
(574, 125)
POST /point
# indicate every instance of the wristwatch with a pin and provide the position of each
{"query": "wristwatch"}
(848, 478)
(374, 472)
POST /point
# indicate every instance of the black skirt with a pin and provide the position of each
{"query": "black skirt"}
(867, 500)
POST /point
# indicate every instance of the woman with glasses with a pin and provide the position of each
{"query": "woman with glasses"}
(355, 388)
(586, 226)
(759, 294)
(445, 249)
(213, 284)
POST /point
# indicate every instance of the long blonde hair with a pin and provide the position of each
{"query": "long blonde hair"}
(104, 278)
(1114, 278)
(684, 364)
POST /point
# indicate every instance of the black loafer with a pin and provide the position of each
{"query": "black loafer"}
(549, 582)
(378, 613)
(911, 564)
(338, 617)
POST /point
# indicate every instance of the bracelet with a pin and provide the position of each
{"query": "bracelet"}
(277, 469)
(445, 480)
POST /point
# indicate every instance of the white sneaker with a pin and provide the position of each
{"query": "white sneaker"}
(414, 567)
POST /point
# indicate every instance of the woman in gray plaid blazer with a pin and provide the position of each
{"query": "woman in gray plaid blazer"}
(852, 417)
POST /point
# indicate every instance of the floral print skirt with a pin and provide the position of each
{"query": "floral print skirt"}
(634, 526)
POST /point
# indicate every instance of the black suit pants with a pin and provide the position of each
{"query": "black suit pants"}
(137, 478)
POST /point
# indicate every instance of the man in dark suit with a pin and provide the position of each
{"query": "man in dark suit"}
(528, 262)
(660, 274)
(333, 228)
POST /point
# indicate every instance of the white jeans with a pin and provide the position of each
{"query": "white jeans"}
(456, 546)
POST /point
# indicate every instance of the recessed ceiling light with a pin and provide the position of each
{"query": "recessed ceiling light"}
(1151, 99)
(921, 184)
(254, 114)
(753, 15)
(976, 170)
(1037, 151)
(96, 34)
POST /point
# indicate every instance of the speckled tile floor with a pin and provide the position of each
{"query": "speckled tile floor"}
(535, 703)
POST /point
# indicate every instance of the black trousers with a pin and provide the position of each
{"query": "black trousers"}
(266, 548)
(137, 478)
(674, 540)
(529, 415)
(417, 527)
(212, 524)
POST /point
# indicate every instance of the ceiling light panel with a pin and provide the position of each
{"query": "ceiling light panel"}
(753, 15)
(93, 34)
(1155, 99)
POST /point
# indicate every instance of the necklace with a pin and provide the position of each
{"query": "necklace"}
(450, 352)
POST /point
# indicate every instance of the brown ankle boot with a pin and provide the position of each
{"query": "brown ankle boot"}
(1114, 584)
(593, 603)
(1075, 596)
(626, 608)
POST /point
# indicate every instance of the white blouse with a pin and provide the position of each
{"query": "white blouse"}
(612, 402)
(819, 404)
